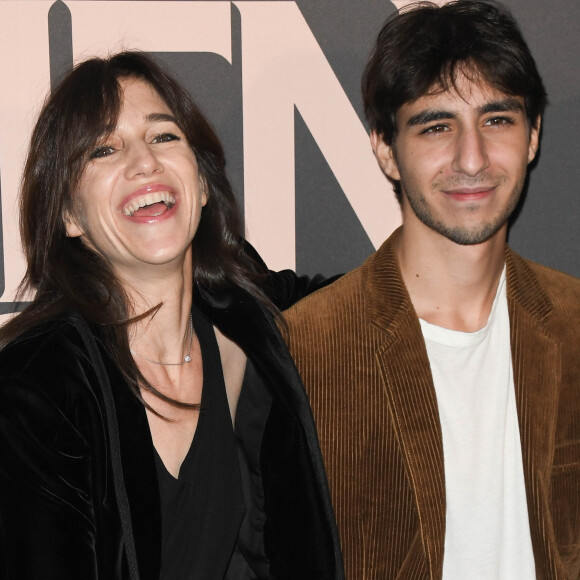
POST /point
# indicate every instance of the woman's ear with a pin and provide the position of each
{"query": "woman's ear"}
(73, 229)
(203, 189)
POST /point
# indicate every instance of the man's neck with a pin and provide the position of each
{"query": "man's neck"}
(451, 285)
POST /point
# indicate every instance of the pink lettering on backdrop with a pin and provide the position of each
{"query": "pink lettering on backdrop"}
(104, 27)
(284, 67)
(25, 70)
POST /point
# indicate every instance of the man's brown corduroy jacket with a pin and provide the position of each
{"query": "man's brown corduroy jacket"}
(359, 348)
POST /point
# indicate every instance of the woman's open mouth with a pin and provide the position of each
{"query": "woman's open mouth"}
(151, 204)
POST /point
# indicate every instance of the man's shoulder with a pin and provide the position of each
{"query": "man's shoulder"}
(374, 286)
(345, 285)
(552, 295)
(328, 300)
(559, 286)
(332, 318)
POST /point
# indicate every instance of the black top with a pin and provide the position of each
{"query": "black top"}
(202, 510)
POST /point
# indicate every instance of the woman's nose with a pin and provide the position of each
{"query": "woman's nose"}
(142, 160)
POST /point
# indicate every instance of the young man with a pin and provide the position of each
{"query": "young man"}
(444, 373)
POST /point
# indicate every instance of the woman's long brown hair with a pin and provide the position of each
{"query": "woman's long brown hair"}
(62, 272)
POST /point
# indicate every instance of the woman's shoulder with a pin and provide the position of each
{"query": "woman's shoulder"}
(49, 360)
(49, 339)
(52, 432)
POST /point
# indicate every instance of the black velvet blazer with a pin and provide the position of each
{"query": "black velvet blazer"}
(59, 516)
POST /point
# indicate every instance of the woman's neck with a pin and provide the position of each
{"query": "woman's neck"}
(162, 335)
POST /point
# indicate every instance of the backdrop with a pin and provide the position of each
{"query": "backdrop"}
(280, 81)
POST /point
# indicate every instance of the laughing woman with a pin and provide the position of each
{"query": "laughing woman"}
(152, 424)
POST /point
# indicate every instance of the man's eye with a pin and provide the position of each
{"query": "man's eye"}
(165, 138)
(101, 151)
(434, 129)
(494, 121)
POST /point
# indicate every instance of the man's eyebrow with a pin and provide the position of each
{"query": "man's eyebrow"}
(428, 116)
(160, 117)
(507, 105)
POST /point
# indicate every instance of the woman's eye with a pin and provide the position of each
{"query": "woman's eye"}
(101, 151)
(165, 138)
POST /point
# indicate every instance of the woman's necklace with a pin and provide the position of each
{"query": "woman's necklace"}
(186, 358)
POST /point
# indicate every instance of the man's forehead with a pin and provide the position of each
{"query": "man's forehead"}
(478, 96)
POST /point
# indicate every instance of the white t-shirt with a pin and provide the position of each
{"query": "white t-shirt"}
(487, 528)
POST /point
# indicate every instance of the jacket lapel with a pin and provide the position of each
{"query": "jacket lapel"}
(536, 362)
(140, 476)
(403, 361)
(132, 481)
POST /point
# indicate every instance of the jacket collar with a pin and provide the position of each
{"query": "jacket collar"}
(404, 364)
(381, 272)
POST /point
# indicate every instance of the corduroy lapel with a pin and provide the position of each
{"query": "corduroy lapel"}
(404, 365)
(536, 362)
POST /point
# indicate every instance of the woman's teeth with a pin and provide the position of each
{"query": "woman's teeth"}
(149, 199)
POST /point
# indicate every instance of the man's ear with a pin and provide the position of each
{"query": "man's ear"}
(534, 144)
(73, 229)
(385, 156)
